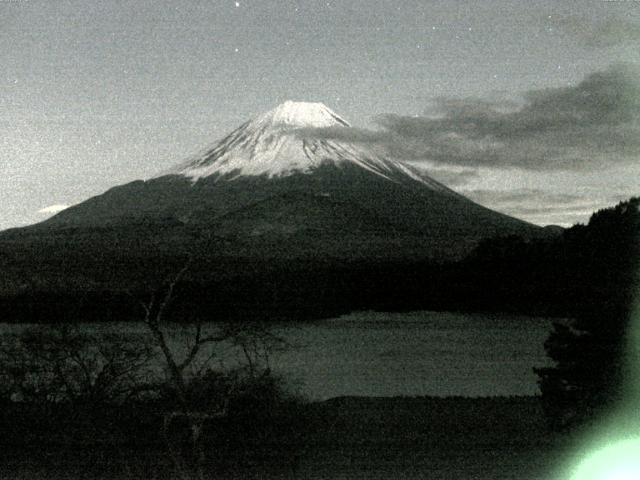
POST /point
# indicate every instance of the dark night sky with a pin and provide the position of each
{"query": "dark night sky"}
(532, 108)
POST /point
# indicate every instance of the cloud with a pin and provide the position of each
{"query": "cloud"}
(592, 124)
(346, 134)
(452, 177)
(543, 207)
(604, 33)
(53, 208)
(508, 198)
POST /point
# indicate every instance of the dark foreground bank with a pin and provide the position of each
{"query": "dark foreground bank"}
(348, 438)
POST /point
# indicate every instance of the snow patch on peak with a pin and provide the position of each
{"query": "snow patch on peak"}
(302, 115)
(278, 143)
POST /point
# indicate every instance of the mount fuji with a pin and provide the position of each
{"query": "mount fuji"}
(273, 177)
(272, 196)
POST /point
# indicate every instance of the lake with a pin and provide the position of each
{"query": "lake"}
(417, 353)
(391, 354)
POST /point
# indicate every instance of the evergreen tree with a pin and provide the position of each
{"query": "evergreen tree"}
(588, 350)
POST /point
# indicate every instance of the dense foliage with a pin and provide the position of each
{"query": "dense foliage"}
(589, 350)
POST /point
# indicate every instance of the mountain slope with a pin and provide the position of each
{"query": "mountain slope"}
(273, 196)
(278, 154)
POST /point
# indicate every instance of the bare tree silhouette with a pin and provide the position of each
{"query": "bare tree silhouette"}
(254, 340)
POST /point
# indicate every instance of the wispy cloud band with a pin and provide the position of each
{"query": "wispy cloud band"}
(593, 123)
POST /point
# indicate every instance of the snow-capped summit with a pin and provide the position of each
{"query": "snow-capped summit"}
(301, 115)
(283, 141)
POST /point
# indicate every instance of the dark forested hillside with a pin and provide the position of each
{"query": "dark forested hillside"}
(563, 275)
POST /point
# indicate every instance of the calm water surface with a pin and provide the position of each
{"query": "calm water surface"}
(415, 353)
(419, 353)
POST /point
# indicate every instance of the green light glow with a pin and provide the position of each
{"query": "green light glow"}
(620, 461)
(614, 448)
